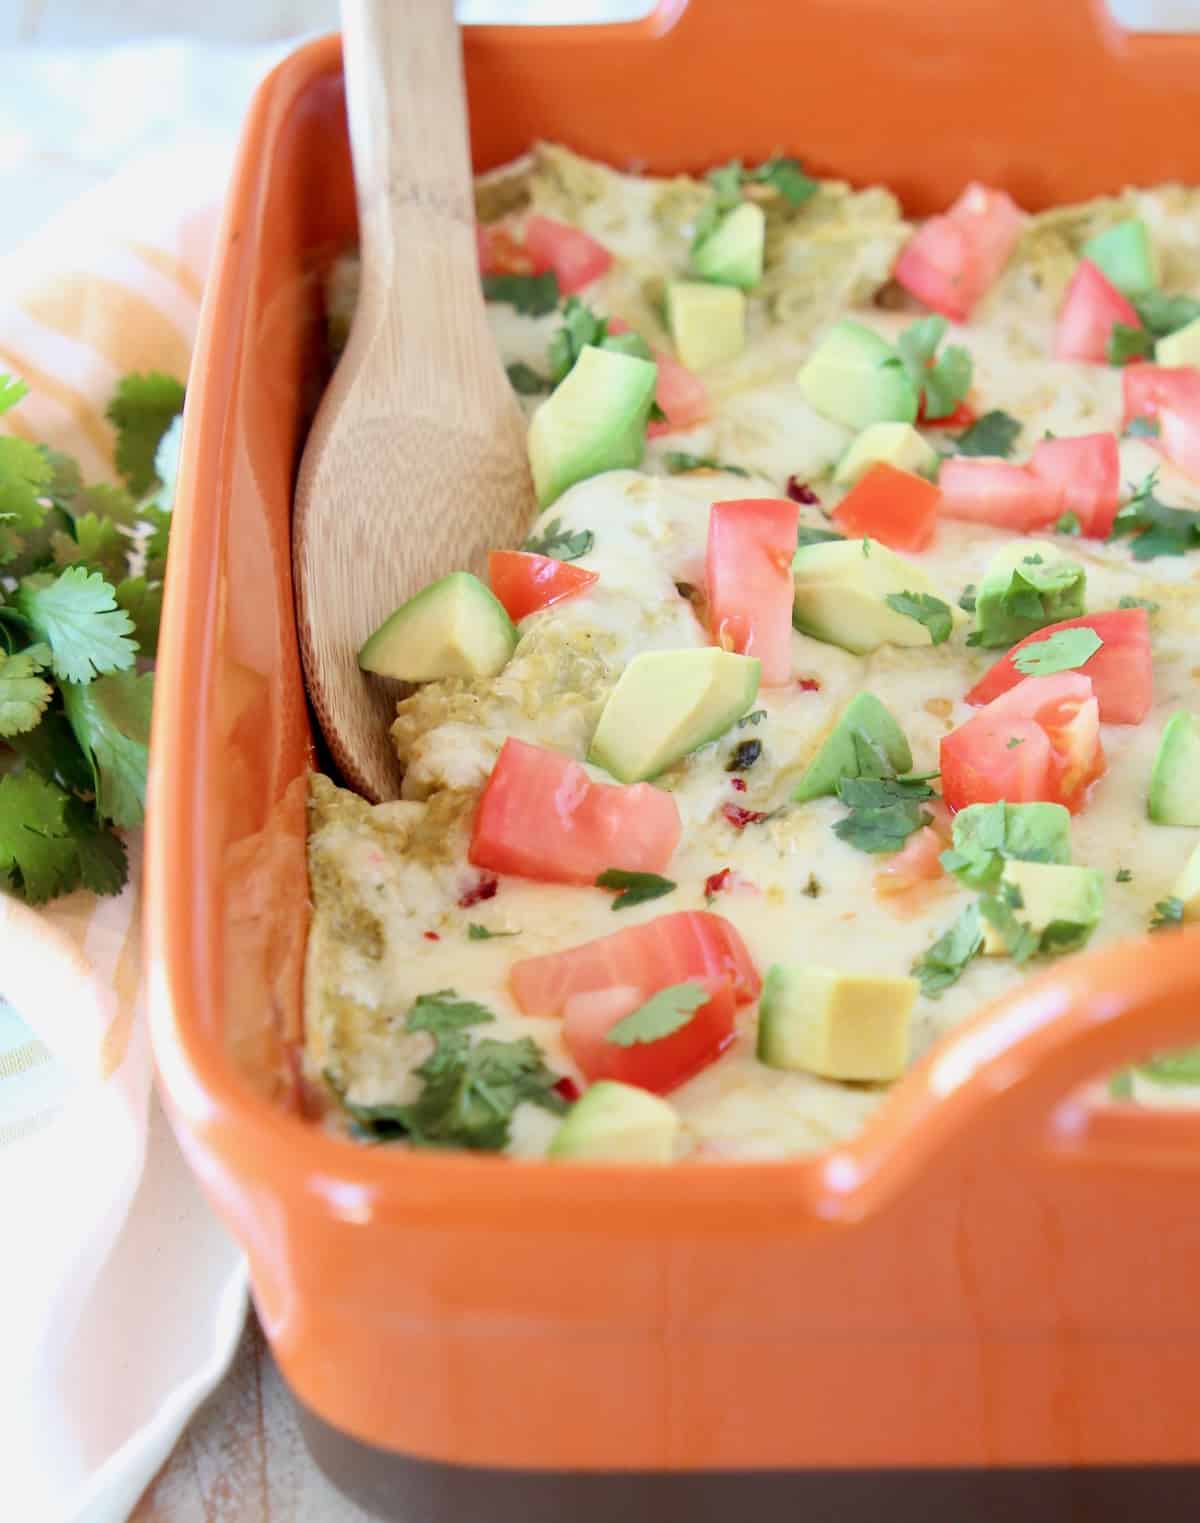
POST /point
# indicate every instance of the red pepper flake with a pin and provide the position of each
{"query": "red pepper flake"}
(800, 491)
(809, 684)
(739, 818)
(738, 783)
(715, 882)
(484, 889)
(568, 1089)
(431, 936)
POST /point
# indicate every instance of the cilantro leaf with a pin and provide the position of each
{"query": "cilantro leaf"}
(663, 1013)
(11, 391)
(560, 544)
(945, 961)
(142, 601)
(24, 696)
(157, 521)
(753, 717)
(928, 611)
(946, 379)
(96, 543)
(580, 327)
(141, 411)
(76, 615)
(635, 888)
(24, 474)
(728, 181)
(1124, 875)
(785, 175)
(1167, 914)
(1128, 601)
(37, 854)
(531, 295)
(470, 1090)
(1159, 528)
(1068, 523)
(1143, 428)
(111, 721)
(1163, 314)
(103, 860)
(1060, 652)
(52, 750)
(678, 461)
(884, 812)
(1127, 343)
(994, 434)
(476, 932)
(1037, 593)
(809, 536)
(987, 835)
(526, 381)
(967, 599)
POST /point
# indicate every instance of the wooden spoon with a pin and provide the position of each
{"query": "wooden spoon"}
(416, 462)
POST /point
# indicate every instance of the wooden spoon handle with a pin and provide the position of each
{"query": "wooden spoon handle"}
(406, 103)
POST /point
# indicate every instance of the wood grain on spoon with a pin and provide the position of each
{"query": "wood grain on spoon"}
(416, 463)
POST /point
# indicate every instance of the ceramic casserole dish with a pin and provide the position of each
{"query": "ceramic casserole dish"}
(988, 1299)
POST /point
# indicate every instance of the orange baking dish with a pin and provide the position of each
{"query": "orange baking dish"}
(994, 1287)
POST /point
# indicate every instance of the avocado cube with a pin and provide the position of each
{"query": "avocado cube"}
(897, 444)
(1026, 586)
(1174, 796)
(865, 742)
(455, 627)
(857, 378)
(617, 1123)
(732, 254)
(840, 595)
(852, 1026)
(1125, 254)
(986, 836)
(1181, 347)
(707, 322)
(1066, 902)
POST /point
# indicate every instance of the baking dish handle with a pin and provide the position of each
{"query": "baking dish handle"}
(1016, 1074)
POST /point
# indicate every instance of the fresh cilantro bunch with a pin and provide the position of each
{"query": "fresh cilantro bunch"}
(469, 1088)
(81, 571)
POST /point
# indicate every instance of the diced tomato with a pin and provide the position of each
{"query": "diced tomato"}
(952, 260)
(541, 816)
(680, 393)
(662, 1065)
(892, 506)
(575, 258)
(1084, 474)
(1179, 439)
(1091, 309)
(1146, 388)
(500, 253)
(524, 582)
(961, 416)
(749, 577)
(1121, 671)
(917, 865)
(997, 492)
(670, 949)
(1039, 741)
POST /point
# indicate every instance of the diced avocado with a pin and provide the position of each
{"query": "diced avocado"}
(986, 836)
(857, 378)
(1181, 347)
(455, 627)
(1174, 797)
(668, 702)
(593, 421)
(618, 1122)
(1027, 585)
(1066, 902)
(627, 343)
(1187, 888)
(865, 742)
(897, 444)
(837, 1025)
(841, 592)
(707, 322)
(1125, 254)
(732, 254)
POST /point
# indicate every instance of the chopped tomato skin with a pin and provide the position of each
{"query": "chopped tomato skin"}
(661, 1065)
(575, 257)
(1084, 474)
(542, 817)
(669, 949)
(1146, 388)
(997, 492)
(680, 393)
(1040, 741)
(1091, 309)
(748, 572)
(895, 507)
(525, 583)
(1179, 439)
(951, 261)
(1121, 672)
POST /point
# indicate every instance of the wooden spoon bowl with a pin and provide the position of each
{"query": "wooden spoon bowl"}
(416, 463)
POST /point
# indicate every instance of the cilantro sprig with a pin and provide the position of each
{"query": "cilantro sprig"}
(634, 888)
(560, 544)
(662, 1015)
(944, 963)
(531, 295)
(1158, 529)
(884, 812)
(730, 181)
(928, 611)
(80, 596)
(944, 378)
(994, 434)
(581, 327)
